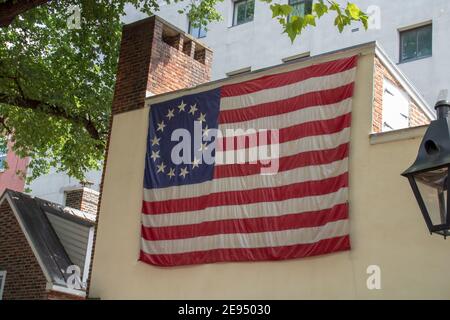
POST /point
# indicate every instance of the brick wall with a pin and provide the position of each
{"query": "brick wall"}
(24, 278)
(83, 199)
(416, 116)
(157, 58)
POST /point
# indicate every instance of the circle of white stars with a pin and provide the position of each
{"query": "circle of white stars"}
(162, 168)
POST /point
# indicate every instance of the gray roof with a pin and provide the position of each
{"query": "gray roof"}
(32, 213)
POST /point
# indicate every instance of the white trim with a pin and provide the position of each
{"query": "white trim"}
(65, 290)
(404, 82)
(415, 26)
(2, 283)
(87, 261)
(27, 236)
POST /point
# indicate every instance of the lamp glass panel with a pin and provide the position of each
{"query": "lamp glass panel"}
(433, 189)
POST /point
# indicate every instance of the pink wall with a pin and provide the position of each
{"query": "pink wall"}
(8, 178)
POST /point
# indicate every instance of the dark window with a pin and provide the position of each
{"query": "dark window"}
(3, 153)
(243, 11)
(416, 43)
(198, 32)
(301, 7)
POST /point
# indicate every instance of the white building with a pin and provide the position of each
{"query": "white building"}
(413, 33)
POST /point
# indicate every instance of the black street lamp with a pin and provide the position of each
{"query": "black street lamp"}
(428, 175)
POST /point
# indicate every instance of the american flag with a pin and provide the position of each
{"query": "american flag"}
(197, 212)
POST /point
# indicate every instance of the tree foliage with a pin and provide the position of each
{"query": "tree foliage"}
(56, 83)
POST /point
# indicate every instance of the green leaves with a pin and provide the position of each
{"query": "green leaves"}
(294, 24)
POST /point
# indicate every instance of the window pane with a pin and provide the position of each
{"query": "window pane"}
(250, 10)
(433, 189)
(424, 39)
(240, 12)
(298, 9)
(308, 6)
(198, 32)
(243, 11)
(202, 32)
(409, 45)
(193, 31)
(416, 43)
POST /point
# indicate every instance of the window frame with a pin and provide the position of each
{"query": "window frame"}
(200, 28)
(2, 283)
(415, 29)
(235, 3)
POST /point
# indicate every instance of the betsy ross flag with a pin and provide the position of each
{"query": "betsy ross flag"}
(197, 211)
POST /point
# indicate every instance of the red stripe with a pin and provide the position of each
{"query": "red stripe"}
(245, 254)
(311, 99)
(253, 225)
(286, 163)
(308, 129)
(296, 190)
(286, 78)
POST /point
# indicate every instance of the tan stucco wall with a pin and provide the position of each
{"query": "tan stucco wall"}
(386, 230)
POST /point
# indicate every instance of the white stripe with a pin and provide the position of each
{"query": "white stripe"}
(290, 148)
(249, 211)
(249, 240)
(289, 91)
(311, 173)
(286, 120)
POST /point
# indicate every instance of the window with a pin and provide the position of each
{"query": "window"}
(395, 114)
(3, 154)
(301, 7)
(416, 43)
(243, 11)
(198, 32)
(2, 283)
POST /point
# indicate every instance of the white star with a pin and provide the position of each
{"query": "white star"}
(171, 173)
(161, 126)
(155, 155)
(170, 114)
(193, 109)
(206, 131)
(202, 117)
(204, 146)
(161, 168)
(184, 172)
(195, 163)
(155, 141)
(181, 106)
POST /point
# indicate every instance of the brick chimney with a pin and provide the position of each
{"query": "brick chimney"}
(156, 57)
(82, 198)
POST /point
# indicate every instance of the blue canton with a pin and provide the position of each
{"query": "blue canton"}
(164, 118)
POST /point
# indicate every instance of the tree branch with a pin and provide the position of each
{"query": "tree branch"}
(10, 9)
(53, 110)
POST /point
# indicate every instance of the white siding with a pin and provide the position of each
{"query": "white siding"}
(74, 238)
